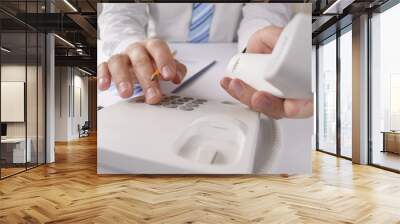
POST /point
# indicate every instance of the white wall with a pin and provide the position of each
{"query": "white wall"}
(62, 81)
(79, 117)
(69, 82)
(17, 73)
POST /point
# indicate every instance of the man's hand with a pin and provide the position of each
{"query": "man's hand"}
(137, 64)
(263, 42)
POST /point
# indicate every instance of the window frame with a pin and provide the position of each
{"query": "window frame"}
(378, 10)
(334, 37)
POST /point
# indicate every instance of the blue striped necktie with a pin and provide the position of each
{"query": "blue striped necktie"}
(201, 22)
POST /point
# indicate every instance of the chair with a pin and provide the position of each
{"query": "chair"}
(84, 130)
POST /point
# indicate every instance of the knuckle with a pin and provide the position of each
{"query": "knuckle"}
(118, 59)
(134, 47)
(140, 59)
(138, 54)
(154, 43)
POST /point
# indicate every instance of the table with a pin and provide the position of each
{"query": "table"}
(16, 154)
(391, 141)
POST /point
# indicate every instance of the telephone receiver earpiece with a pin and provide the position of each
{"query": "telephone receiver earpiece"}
(286, 72)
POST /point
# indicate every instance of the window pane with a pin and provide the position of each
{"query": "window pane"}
(31, 99)
(22, 90)
(346, 94)
(385, 84)
(327, 97)
(14, 153)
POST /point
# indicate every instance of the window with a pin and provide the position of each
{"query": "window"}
(394, 102)
(346, 93)
(327, 97)
(385, 89)
(22, 79)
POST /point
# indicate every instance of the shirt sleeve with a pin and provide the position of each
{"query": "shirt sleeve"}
(121, 25)
(260, 15)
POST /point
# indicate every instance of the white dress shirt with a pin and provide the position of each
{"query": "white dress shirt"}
(122, 24)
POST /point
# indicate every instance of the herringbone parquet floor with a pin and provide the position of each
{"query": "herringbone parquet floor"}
(70, 191)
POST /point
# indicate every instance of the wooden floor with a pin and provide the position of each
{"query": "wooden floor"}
(70, 191)
(5, 172)
(387, 159)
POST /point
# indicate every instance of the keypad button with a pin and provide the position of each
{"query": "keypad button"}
(177, 102)
(197, 102)
(182, 103)
(192, 105)
(186, 108)
(170, 105)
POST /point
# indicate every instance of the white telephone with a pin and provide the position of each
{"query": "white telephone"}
(182, 135)
(286, 72)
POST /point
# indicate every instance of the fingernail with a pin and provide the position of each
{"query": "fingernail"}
(225, 82)
(167, 72)
(237, 88)
(124, 89)
(151, 94)
(263, 102)
(102, 81)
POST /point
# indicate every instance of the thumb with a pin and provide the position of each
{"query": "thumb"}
(298, 108)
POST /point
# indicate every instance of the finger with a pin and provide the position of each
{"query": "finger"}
(103, 76)
(163, 58)
(180, 71)
(241, 91)
(225, 82)
(267, 104)
(143, 68)
(119, 66)
(264, 40)
(298, 108)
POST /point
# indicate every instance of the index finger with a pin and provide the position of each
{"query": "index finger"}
(143, 67)
(103, 76)
(163, 58)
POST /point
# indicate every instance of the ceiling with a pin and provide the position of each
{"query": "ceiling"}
(74, 21)
(332, 15)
